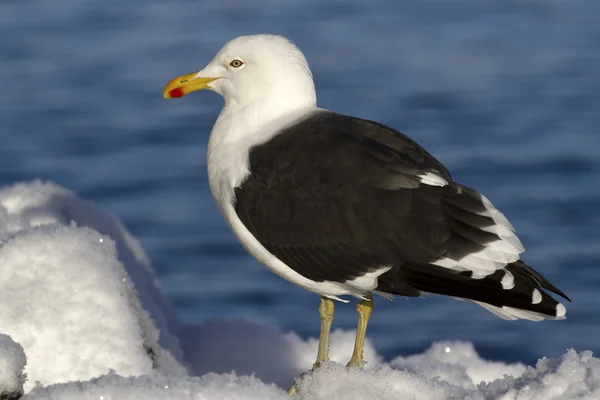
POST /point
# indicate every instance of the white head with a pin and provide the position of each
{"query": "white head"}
(250, 70)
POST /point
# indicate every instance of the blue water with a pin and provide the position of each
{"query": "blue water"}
(506, 94)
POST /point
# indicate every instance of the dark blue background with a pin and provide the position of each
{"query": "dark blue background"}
(506, 94)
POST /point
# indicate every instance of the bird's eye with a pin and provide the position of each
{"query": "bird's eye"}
(236, 63)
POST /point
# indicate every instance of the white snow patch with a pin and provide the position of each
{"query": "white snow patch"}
(67, 298)
(30, 204)
(159, 387)
(335, 381)
(12, 363)
(573, 376)
(457, 363)
(65, 295)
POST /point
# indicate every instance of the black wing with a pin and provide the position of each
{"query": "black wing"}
(335, 197)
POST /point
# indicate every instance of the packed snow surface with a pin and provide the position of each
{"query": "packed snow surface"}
(83, 317)
(12, 362)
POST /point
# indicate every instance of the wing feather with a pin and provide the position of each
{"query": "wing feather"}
(336, 197)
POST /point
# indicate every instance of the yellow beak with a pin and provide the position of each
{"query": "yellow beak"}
(184, 84)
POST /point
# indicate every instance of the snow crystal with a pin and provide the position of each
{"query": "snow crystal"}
(12, 362)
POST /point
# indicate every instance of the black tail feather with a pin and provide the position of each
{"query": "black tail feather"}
(525, 291)
(524, 271)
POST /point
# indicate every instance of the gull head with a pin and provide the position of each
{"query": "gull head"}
(252, 69)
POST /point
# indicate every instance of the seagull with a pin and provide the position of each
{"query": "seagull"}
(341, 205)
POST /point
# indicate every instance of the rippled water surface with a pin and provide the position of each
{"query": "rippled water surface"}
(506, 94)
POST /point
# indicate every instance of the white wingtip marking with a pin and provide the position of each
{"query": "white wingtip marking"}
(508, 281)
(496, 215)
(536, 298)
(511, 313)
(480, 274)
(495, 255)
(431, 179)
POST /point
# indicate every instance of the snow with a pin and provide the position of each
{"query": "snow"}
(457, 363)
(35, 203)
(65, 295)
(12, 362)
(160, 387)
(83, 317)
(573, 376)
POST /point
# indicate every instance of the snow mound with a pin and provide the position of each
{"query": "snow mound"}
(66, 298)
(573, 376)
(79, 296)
(12, 363)
(65, 295)
(160, 387)
(31, 204)
(457, 363)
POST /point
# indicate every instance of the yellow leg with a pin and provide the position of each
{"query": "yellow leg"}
(326, 309)
(364, 308)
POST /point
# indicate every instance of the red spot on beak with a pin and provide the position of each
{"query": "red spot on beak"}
(176, 93)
